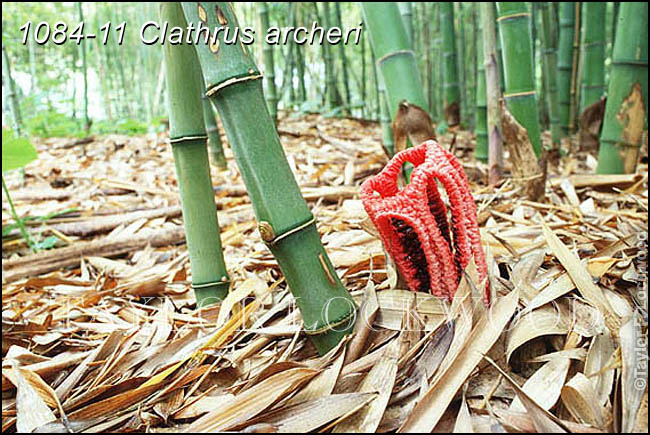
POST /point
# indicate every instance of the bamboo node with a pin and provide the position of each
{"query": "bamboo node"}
(331, 325)
(266, 231)
(519, 94)
(275, 239)
(517, 15)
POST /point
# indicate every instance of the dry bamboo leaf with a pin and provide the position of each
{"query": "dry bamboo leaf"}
(428, 411)
(394, 303)
(544, 421)
(543, 321)
(634, 354)
(379, 380)
(314, 413)
(367, 314)
(545, 385)
(322, 385)
(32, 410)
(563, 284)
(202, 405)
(580, 398)
(253, 285)
(578, 273)
(251, 402)
(600, 353)
(464, 419)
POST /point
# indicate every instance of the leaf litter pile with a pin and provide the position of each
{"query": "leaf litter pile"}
(101, 333)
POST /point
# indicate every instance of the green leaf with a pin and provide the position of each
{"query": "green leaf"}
(46, 243)
(16, 151)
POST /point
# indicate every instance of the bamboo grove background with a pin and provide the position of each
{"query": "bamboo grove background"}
(126, 82)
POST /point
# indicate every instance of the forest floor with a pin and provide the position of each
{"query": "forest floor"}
(101, 332)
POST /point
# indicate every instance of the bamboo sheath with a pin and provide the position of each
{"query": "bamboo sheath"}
(285, 222)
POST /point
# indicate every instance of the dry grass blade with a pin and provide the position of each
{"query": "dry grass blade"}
(251, 402)
(428, 411)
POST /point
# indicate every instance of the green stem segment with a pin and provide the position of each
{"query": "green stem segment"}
(565, 64)
(11, 93)
(592, 85)
(188, 138)
(450, 76)
(549, 43)
(214, 138)
(626, 111)
(395, 59)
(269, 66)
(481, 152)
(285, 221)
(516, 43)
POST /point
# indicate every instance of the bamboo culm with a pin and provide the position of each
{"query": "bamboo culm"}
(214, 138)
(626, 110)
(188, 138)
(549, 43)
(451, 94)
(397, 65)
(565, 64)
(269, 65)
(520, 95)
(285, 223)
(493, 92)
(592, 83)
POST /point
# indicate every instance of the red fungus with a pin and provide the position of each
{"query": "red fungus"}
(413, 221)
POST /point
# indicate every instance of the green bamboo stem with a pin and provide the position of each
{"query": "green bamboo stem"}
(502, 82)
(565, 63)
(300, 61)
(285, 222)
(520, 96)
(493, 92)
(395, 60)
(592, 85)
(11, 93)
(549, 42)
(188, 138)
(451, 95)
(575, 74)
(384, 119)
(626, 113)
(344, 61)
(214, 138)
(481, 151)
(406, 12)
(269, 66)
(331, 100)
(461, 53)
